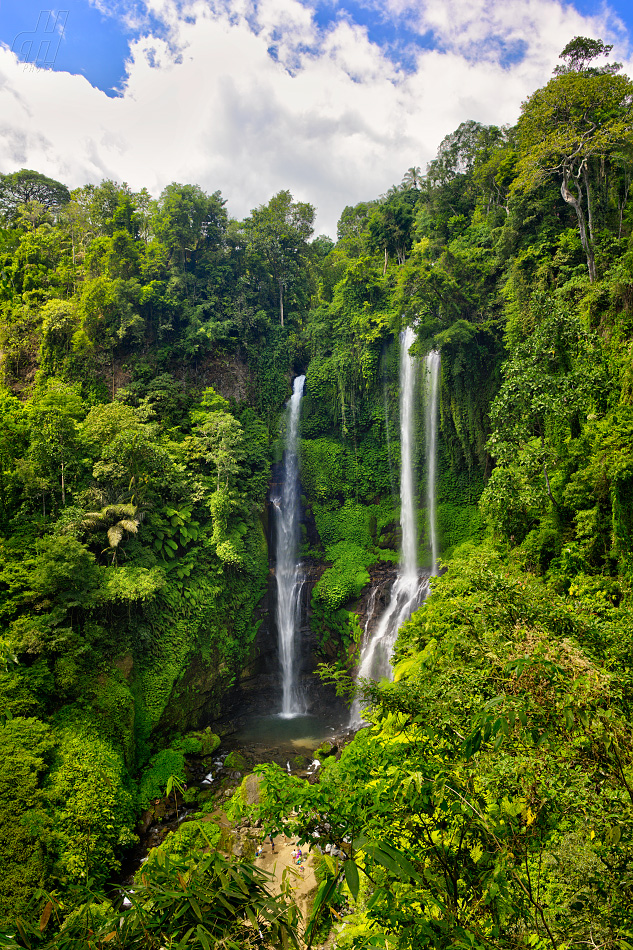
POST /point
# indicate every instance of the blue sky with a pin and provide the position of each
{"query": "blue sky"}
(333, 100)
(91, 43)
(96, 45)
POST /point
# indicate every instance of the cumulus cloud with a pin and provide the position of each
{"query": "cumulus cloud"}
(251, 97)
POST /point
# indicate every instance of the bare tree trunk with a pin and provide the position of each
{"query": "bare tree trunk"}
(576, 204)
(549, 487)
(585, 178)
(622, 204)
(281, 302)
(72, 238)
(384, 270)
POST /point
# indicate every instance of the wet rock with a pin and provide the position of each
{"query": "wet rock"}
(146, 822)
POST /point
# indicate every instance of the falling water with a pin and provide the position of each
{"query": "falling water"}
(408, 589)
(289, 580)
(432, 375)
(371, 606)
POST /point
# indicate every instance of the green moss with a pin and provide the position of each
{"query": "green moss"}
(154, 779)
(235, 760)
(184, 841)
(94, 806)
(323, 463)
(25, 750)
(324, 750)
(457, 524)
(344, 581)
(114, 704)
(210, 742)
(203, 632)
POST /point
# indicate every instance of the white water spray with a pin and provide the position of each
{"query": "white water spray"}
(408, 589)
(288, 572)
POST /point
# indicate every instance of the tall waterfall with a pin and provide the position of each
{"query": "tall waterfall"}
(432, 376)
(288, 573)
(408, 588)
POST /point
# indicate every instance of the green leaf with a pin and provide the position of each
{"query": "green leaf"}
(351, 876)
(185, 940)
(379, 893)
(195, 906)
(202, 937)
(613, 835)
(323, 897)
(386, 860)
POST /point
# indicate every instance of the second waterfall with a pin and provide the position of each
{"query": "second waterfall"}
(288, 571)
(410, 587)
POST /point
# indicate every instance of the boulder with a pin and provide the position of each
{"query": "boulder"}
(209, 742)
(235, 760)
(251, 790)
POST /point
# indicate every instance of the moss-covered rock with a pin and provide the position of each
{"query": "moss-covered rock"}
(235, 760)
(326, 748)
(210, 742)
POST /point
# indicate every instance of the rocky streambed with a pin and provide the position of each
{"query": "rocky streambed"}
(212, 779)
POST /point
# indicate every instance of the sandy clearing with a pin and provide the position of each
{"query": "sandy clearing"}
(279, 862)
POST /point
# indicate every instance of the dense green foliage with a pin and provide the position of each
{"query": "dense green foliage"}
(147, 352)
(131, 499)
(490, 802)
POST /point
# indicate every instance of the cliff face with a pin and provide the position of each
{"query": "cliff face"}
(257, 689)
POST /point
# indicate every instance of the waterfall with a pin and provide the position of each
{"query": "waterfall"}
(288, 572)
(408, 589)
(432, 376)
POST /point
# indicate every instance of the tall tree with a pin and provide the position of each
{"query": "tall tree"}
(412, 178)
(279, 232)
(581, 116)
(26, 186)
(54, 415)
(390, 226)
(185, 217)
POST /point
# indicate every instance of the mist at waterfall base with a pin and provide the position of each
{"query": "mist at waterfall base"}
(410, 587)
(288, 567)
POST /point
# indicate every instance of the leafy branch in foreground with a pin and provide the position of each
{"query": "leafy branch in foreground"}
(203, 902)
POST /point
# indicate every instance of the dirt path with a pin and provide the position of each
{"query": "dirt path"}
(304, 883)
(280, 862)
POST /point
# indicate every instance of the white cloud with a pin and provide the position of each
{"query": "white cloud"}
(328, 116)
